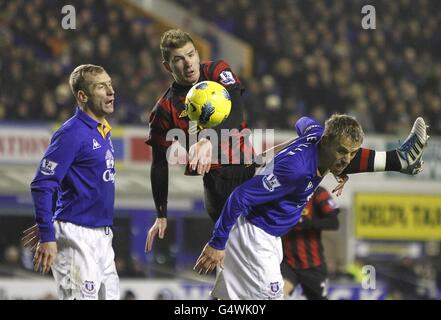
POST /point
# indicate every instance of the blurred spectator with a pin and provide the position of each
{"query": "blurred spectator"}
(128, 295)
(165, 294)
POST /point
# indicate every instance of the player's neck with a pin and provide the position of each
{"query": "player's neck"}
(91, 114)
(324, 163)
(95, 117)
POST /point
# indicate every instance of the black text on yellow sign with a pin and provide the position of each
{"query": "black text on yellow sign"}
(397, 216)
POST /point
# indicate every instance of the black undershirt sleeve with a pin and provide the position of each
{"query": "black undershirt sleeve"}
(159, 180)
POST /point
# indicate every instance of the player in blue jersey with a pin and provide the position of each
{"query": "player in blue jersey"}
(79, 167)
(246, 239)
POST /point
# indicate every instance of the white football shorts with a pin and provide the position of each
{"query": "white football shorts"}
(251, 265)
(84, 268)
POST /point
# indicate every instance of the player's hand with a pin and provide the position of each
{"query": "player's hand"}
(199, 156)
(45, 255)
(31, 237)
(158, 227)
(341, 179)
(209, 259)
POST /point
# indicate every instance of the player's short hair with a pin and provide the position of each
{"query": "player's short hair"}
(77, 80)
(173, 39)
(339, 125)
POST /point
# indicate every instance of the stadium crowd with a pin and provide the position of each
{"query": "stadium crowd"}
(37, 55)
(322, 61)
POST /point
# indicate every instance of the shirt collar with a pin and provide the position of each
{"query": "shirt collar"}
(86, 119)
(104, 127)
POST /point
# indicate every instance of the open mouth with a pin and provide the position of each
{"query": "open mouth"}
(340, 166)
(109, 103)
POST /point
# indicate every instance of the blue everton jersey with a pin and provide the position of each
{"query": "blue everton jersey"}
(273, 200)
(79, 166)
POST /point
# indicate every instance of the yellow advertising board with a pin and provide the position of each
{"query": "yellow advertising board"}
(386, 216)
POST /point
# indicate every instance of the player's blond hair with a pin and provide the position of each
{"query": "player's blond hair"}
(77, 80)
(173, 39)
(339, 125)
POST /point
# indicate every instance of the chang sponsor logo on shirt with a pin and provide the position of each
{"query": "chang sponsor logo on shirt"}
(47, 167)
(109, 174)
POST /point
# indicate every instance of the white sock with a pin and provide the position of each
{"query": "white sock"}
(380, 161)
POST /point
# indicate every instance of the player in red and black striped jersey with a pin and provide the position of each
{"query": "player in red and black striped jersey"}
(181, 59)
(303, 259)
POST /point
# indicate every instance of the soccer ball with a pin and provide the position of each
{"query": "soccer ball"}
(208, 103)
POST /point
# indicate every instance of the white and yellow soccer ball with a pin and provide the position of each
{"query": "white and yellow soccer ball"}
(208, 103)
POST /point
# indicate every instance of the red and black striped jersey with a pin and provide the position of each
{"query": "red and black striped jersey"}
(167, 113)
(302, 246)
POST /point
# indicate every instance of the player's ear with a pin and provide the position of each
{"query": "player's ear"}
(166, 65)
(82, 96)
